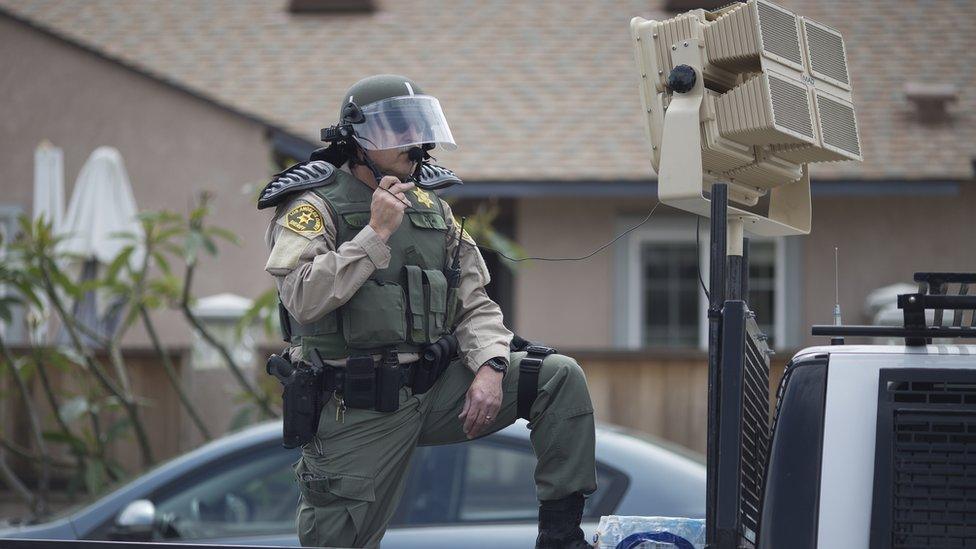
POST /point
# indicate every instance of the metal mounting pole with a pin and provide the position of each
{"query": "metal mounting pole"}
(717, 288)
(735, 250)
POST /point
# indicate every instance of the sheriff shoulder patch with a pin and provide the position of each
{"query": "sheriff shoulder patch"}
(304, 220)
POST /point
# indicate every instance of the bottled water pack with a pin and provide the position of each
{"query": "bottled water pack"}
(617, 532)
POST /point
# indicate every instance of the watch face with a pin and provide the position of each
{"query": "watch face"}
(497, 365)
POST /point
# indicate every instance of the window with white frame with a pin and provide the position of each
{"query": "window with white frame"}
(662, 297)
(669, 294)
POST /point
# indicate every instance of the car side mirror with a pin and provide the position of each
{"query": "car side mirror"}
(136, 521)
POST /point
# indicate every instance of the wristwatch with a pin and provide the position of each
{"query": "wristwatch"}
(498, 364)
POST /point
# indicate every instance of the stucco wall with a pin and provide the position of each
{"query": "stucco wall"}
(882, 240)
(174, 145)
(568, 303)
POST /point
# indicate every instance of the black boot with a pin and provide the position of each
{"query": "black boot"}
(559, 523)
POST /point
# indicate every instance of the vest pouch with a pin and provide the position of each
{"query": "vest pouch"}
(375, 316)
(322, 334)
(436, 304)
(356, 220)
(359, 390)
(427, 220)
(415, 303)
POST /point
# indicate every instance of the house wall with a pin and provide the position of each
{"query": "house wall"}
(568, 303)
(881, 240)
(173, 143)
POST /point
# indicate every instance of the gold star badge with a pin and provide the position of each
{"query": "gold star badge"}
(423, 197)
(304, 219)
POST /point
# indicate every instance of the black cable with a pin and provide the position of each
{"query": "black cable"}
(580, 258)
(409, 207)
(698, 256)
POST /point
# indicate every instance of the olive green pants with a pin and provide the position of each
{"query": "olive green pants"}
(351, 475)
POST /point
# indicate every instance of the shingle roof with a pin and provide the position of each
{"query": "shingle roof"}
(539, 90)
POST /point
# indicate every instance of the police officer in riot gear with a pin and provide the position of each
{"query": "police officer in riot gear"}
(383, 297)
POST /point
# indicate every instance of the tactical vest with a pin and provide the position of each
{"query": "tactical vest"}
(403, 305)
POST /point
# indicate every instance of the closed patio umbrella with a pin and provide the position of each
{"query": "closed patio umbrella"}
(49, 184)
(101, 206)
(49, 204)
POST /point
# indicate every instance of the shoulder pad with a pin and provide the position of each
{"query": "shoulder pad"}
(300, 177)
(434, 177)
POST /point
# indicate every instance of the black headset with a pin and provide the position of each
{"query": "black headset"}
(344, 147)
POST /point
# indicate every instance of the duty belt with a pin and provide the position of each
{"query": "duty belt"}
(333, 377)
(361, 383)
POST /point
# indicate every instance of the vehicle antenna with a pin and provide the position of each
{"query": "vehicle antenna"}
(837, 321)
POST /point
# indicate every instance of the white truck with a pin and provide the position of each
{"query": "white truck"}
(874, 446)
(869, 446)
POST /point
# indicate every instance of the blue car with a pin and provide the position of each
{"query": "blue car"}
(241, 489)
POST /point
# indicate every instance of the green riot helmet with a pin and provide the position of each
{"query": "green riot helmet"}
(395, 113)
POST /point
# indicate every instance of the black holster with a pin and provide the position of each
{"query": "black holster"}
(301, 397)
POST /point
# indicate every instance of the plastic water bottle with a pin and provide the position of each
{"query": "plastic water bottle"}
(625, 532)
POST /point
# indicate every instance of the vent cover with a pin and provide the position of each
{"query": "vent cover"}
(791, 105)
(779, 32)
(741, 451)
(838, 126)
(925, 461)
(755, 433)
(838, 134)
(826, 50)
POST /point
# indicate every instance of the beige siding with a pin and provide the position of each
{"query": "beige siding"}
(174, 146)
(882, 240)
(568, 303)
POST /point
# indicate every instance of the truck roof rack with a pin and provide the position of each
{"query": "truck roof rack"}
(932, 295)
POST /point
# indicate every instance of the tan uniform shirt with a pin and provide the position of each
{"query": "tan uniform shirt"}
(314, 278)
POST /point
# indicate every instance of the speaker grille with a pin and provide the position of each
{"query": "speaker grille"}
(826, 51)
(779, 33)
(791, 106)
(838, 126)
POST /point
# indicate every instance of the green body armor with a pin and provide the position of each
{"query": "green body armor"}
(404, 305)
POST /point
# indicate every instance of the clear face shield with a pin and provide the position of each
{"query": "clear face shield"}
(401, 122)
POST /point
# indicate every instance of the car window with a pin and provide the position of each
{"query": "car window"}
(499, 484)
(433, 486)
(486, 480)
(252, 495)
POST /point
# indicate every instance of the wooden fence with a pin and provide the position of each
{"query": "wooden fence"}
(659, 392)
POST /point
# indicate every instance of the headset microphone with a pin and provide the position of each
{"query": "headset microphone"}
(415, 154)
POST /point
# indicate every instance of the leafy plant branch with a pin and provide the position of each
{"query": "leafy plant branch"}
(198, 236)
